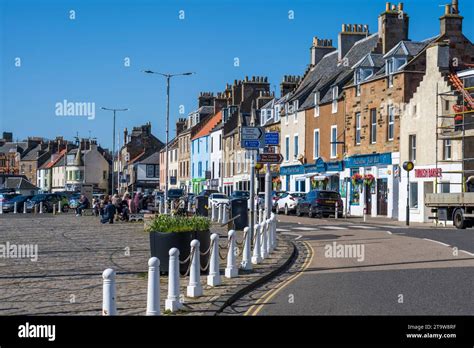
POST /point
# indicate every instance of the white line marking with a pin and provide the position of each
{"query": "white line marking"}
(388, 232)
(305, 228)
(294, 234)
(467, 252)
(333, 227)
(364, 227)
(282, 230)
(435, 241)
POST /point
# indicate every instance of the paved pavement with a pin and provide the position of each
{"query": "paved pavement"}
(424, 270)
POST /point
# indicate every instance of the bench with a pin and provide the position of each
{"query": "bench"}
(136, 217)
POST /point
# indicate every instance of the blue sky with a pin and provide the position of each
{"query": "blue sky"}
(82, 60)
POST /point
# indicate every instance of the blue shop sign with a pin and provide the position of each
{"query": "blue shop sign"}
(292, 170)
(318, 167)
(369, 160)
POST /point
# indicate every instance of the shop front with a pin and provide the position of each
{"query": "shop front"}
(372, 182)
(198, 185)
(304, 178)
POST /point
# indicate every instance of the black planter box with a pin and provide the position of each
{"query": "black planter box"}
(161, 243)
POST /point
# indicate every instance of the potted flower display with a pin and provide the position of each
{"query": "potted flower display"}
(369, 180)
(168, 232)
(357, 179)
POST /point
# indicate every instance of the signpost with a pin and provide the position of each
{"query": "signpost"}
(273, 158)
(272, 138)
(252, 137)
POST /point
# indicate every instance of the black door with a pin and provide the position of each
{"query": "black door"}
(382, 197)
(368, 200)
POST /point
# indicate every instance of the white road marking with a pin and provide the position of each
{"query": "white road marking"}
(306, 228)
(435, 241)
(332, 227)
(282, 230)
(364, 227)
(294, 234)
(388, 232)
(467, 252)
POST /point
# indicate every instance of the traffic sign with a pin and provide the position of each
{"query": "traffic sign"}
(251, 133)
(253, 144)
(274, 158)
(272, 138)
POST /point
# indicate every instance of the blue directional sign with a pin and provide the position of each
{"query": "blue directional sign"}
(272, 138)
(252, 144)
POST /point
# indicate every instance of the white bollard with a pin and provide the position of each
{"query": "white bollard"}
(336, 211)
(59, 207)
(41, 207)
(54, 209)
(213, 212)
(220, 217)
(108, 294)
(189, 206)
(1, 207)
(15, 208)
(153, 294)
(231, 271)
(274, 231)
(261, 216)
(246, 263)
(225, 214)
(263, 240)
(35, 209)
(24, 207)
(256, 257)
(214, 277)
(195, 288)
(269, 236)
(172, 302)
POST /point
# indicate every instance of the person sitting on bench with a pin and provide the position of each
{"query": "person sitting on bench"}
(83, 204)
(109, 213)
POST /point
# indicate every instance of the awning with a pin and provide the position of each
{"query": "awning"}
(320, 177)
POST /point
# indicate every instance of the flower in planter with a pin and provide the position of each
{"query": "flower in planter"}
(168, 223)
(357, 179)
(369, 180)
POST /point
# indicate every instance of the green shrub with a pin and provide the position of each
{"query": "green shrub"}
(167, 223)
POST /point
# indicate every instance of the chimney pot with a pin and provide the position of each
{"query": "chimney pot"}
(400, 6)
(447, 9)
(387, 6)
(455, 6)
(394, 7)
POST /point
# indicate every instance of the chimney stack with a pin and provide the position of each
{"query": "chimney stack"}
(125, 136)
(288, 84)
(393, 26)
(319, 49)
(451, 21)
(350, 34)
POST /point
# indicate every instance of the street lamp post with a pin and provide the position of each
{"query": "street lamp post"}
(408, 166)
(113, 144)
(168, 78)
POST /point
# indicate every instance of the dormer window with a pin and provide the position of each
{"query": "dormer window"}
(317, 99)
(335, 95)
(393, 65)
(277, 113)
(360, 75)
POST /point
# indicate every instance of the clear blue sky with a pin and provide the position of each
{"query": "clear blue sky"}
(82, 60)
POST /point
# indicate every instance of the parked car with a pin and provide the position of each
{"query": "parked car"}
(175, 194)
(275, 197)
(48, 199)
(9, 205)
(218, 198)
(288, 202)
(6, 196)
(320, 203)
(207, 193)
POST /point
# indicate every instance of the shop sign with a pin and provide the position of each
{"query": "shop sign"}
(429, 173)
(369, 160)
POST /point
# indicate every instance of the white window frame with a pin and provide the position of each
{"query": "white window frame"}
(447, 145)
(335, 95)
(295, 110)
(333, 146)
(373, 126)
(316, 154)
(317, 99)
(412, 147)
(287, 148)
(277, 113)
(296, 137)
(358, 128)
(391, 122)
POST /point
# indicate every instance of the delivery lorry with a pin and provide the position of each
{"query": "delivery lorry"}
(455, 207)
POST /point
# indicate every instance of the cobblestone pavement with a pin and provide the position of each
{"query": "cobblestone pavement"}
(72, 254)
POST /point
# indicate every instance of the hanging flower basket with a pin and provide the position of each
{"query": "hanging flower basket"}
(369, 180)
(357, 179)
(319, 184)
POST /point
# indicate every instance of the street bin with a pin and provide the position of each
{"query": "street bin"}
(202, 203)
(239, 207)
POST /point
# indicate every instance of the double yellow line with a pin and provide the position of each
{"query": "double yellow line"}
(257, 307)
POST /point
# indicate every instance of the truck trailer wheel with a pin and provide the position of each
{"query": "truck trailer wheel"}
(458, 219)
